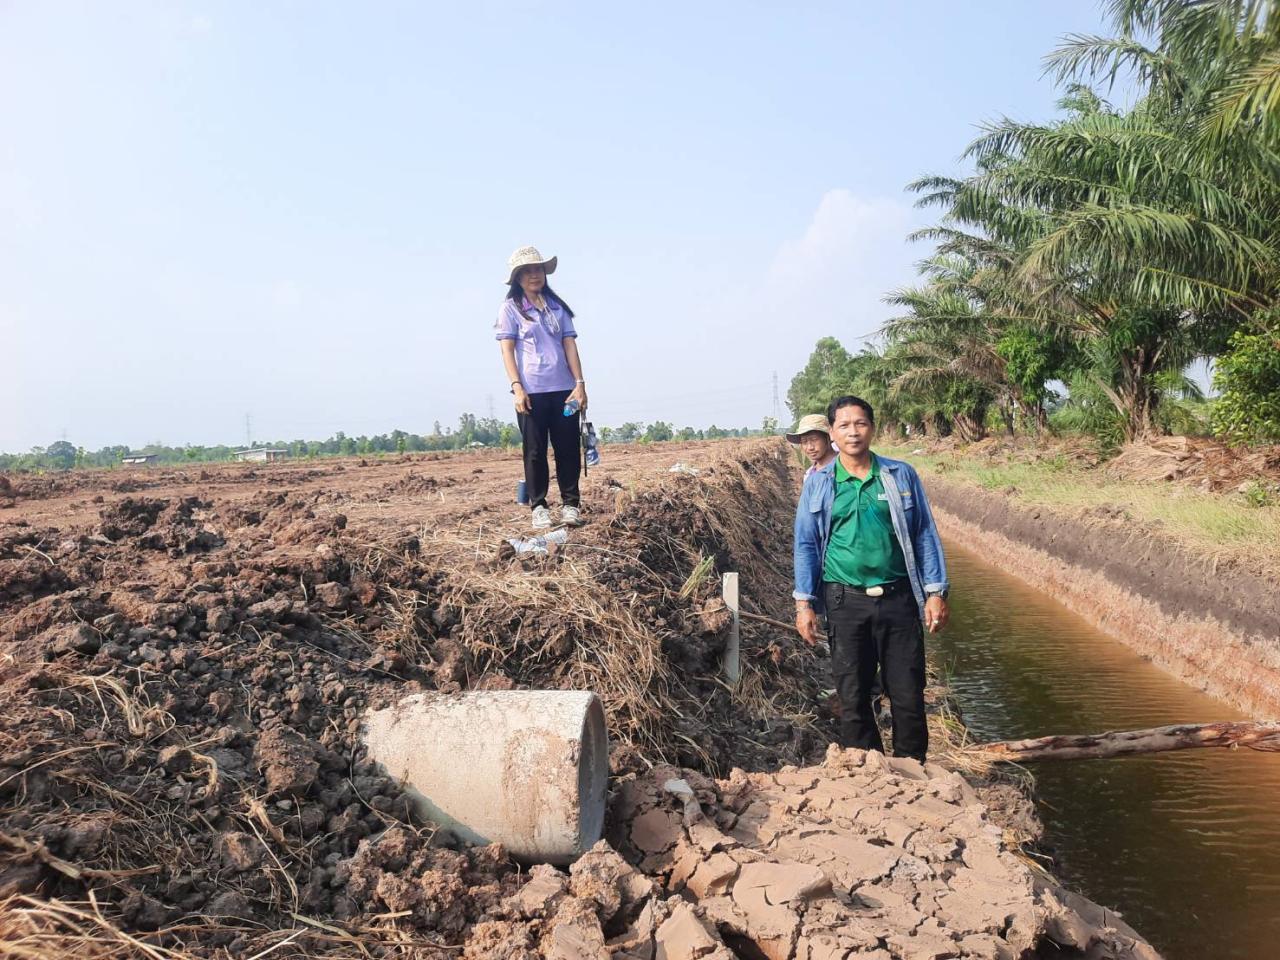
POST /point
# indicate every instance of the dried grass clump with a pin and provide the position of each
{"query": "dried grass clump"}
(35, 929)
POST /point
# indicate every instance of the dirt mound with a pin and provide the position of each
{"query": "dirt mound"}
(861, 856)
(151, 524)
(1206, 463)
(415, 484)
(628, 608)
(43, 486)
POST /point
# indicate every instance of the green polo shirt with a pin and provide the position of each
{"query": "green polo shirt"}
(863, 550)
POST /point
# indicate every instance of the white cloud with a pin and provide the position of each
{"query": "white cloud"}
(852, 253)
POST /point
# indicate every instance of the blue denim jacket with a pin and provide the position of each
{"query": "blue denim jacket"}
(912, 524)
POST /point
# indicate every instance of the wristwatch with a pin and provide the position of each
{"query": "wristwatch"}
(937, 593)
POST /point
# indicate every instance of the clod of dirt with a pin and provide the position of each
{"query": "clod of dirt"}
(70, 638)
(334, 596)
(289, 761)
(241, 851)
(130, 517)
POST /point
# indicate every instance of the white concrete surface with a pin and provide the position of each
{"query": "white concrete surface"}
(527, 768)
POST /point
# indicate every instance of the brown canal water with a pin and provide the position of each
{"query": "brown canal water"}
(1185, 845)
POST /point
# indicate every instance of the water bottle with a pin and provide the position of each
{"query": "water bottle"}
(571, 408)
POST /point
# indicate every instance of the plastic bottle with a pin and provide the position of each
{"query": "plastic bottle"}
(571, 407)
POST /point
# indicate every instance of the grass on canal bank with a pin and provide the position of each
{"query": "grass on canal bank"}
(1239, 525)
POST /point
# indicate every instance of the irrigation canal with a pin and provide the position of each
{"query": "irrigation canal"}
(1185, 845)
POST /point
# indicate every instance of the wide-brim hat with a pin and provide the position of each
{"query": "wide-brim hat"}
(808, 424)
(528, 257)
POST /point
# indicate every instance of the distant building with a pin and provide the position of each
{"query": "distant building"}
(139, 458)
(261, 455)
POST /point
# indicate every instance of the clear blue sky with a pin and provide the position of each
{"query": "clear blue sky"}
(303, 211)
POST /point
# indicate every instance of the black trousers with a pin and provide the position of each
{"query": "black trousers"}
(547, 419)
(866, 632)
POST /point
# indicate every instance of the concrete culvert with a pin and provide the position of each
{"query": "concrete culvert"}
(526, 768)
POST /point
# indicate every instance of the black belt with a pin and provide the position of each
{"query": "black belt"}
(879, 590)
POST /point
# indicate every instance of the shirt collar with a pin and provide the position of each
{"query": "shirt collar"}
(530, 305)
(842, 474)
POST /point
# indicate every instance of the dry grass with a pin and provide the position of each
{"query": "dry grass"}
(138, 830)
(33, 928)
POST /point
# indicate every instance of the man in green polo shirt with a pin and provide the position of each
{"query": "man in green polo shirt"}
(867, 550)
(862, 552)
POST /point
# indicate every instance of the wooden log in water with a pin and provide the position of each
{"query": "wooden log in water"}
(1181, 736)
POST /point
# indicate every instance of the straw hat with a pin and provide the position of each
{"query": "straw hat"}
(814, 421)
(528, 257)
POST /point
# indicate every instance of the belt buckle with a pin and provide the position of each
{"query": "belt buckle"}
(876, 591)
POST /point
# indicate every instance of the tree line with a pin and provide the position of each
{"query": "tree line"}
(471, 432)
(1086, 261)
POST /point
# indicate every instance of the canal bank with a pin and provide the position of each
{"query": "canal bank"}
(1209, 624)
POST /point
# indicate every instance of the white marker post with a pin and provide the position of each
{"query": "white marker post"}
(732, 664)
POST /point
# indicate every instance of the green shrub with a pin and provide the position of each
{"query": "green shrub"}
(1248, 376)
(1258, 494)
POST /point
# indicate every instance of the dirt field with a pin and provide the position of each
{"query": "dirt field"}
(186, 658)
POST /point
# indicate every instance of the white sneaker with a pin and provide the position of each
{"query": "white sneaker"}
(570, 517)
(541, 518)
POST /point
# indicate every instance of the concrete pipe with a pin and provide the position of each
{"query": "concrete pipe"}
(526, 768)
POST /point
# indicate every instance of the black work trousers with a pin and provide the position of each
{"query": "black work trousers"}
(866, 632)
(546, 418)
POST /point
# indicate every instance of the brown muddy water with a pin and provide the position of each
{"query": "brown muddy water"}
(1185, 845)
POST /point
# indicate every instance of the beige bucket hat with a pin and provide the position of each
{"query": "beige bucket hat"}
(814, 421)
(528, 257)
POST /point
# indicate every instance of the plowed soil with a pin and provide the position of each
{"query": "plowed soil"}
(187, 656)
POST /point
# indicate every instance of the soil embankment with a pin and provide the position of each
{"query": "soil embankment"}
(186, 658)
(1213, 626)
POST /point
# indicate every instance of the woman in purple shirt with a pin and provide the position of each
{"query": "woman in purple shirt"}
(540, 352)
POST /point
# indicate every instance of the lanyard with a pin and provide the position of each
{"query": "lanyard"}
(547, 317)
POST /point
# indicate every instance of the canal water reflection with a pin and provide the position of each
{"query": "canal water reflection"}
(1185, 845)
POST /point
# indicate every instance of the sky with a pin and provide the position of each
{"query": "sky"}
(301, 212)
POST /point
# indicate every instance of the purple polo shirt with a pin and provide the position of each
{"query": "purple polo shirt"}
(539, 343)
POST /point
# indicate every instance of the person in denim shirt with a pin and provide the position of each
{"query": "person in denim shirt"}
(813, 436)
(867, 554)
